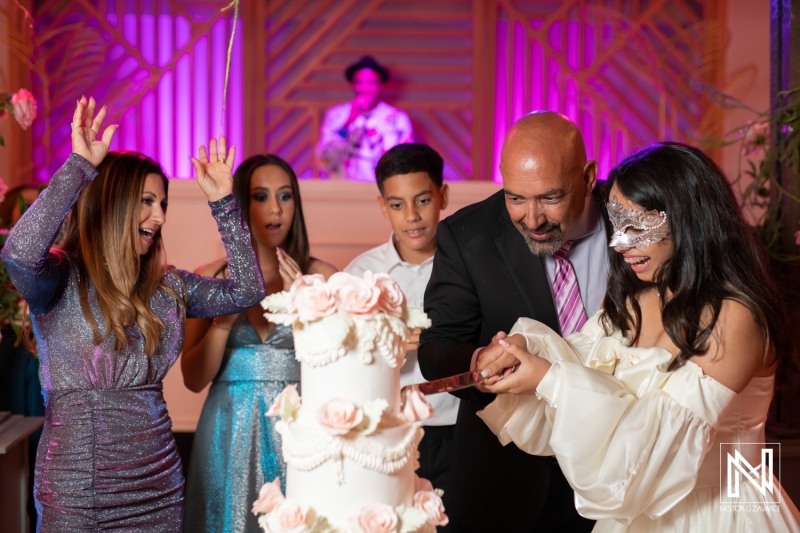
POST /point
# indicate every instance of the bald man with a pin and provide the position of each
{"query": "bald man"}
(494, 264)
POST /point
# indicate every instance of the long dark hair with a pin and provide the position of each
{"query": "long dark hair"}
(297, 238)
(715, 255)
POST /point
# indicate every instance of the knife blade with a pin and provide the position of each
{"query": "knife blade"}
(451, 383)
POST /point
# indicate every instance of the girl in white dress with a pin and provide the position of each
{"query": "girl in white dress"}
(643, 406)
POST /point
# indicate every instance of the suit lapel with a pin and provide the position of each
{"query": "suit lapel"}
(529, 275)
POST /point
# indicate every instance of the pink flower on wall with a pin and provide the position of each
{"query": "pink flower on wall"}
(755, 141)
(24, 108)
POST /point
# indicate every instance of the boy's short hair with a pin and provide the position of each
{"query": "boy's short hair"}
(409, 158)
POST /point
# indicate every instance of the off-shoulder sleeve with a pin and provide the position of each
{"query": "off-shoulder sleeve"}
(36, 272)
(629, 443)
(626, 455)
(207, 297)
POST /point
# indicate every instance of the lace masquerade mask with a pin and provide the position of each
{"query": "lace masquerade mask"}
(636, 228)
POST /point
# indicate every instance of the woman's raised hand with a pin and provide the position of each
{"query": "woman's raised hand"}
(86, 128)
(214, 170)
(288, 268)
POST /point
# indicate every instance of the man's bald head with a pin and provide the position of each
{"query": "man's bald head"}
(546, 178)
(540, 137)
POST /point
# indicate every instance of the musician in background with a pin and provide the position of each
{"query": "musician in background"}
(355, 135)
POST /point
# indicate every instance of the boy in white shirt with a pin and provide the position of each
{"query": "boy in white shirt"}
(409, 178)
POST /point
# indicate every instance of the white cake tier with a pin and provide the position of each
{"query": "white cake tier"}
(349, 378)
(338, 476)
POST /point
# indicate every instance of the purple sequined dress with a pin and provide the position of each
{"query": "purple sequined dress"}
(107, 458)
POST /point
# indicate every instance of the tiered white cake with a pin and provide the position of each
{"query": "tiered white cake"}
(351, 444)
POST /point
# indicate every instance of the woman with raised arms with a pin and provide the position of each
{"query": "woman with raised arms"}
(108, 316)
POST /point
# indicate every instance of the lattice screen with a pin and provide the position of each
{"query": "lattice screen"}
(624, 71)
(301, 48)
(158, 64)
(464, 70)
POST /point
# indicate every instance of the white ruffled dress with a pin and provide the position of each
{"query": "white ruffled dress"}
(640, 445)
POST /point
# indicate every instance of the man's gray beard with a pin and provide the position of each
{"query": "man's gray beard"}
(544, 248)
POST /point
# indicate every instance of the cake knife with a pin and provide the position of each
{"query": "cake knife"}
(451, 383)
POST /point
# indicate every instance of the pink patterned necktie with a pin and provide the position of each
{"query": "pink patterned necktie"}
(571, 314)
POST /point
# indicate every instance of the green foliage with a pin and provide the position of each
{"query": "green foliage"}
(768, 144)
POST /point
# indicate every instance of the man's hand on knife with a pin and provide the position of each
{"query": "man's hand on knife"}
(497, 356)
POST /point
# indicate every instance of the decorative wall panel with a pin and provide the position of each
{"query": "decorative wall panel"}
(625, 71)
(158, 64)
(300, 49)
(464, 70)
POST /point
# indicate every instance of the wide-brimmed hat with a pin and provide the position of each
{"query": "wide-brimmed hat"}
(366, 62)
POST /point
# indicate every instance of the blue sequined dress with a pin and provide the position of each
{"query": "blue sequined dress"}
(107, 458)
(236, 448)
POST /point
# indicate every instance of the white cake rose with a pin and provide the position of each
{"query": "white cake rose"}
(286, 404)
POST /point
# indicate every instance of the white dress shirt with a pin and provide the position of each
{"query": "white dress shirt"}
(412, 280)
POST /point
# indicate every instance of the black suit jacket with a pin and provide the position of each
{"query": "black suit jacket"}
(484, 278)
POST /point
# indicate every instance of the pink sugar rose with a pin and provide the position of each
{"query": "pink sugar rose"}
(339, 416)
(289, 517)
(375, 518)
(24, 108)
(422, 484)
(288, 397)
(392, 298)
(415, 406)
(311, 297)
(432, 505)
(269, 497)
(355, 296)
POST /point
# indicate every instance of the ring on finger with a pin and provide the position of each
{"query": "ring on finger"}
(221, 160)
